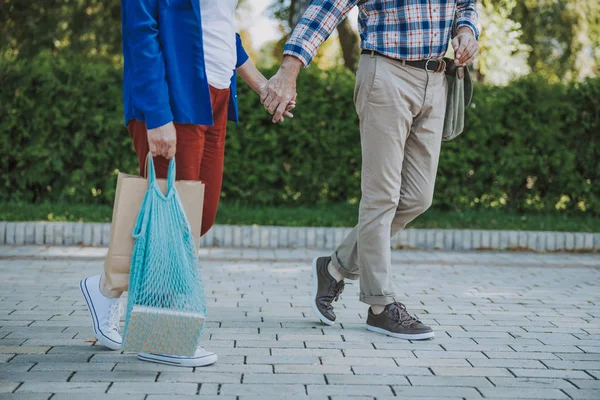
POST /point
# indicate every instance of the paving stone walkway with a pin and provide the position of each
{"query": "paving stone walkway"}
(508, 325)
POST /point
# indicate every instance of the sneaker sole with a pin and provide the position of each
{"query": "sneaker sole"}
(315, 288)
(189, 362)
(418, 336)
(88, 301)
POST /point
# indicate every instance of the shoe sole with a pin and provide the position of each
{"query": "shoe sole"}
(99, 336)
(419, 336)
(315, 289)
(177, 361)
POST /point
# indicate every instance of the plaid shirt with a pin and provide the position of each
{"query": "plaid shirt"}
(406, 30)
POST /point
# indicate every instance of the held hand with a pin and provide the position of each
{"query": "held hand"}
(465, 47)
(262, 92)
(163, 141)
(280, 93)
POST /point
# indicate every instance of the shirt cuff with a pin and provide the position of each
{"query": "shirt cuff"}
(470, 25)
(292, 49)
(158, 118)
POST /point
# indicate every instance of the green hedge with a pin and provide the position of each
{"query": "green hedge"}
(529, 146)
(61, 130)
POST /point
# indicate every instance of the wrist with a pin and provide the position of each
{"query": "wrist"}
(291, 65)
(259, 84)
(465, 30)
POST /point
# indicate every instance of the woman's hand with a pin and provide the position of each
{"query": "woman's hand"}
(257, 81)
(163, 141)
(262, 93)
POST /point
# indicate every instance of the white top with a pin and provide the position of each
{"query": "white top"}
(218, 31)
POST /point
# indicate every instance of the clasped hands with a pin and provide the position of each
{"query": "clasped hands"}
(278, 95)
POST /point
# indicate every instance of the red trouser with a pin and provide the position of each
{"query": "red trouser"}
(200, 153)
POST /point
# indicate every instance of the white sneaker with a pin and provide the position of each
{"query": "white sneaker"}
(202, 358)
(105, 312)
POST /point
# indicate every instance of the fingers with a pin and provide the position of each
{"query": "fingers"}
(279, 98)
(153, 148)
(171, 149)
(161, 146)
(462, 46)
(270, 98)
(271, 102)
(280, 110)
(274, 105)
(468, 61)
(154, 144)
(266, 99)
(162, 141)
(470, 53)
(455, 44)
(465, 49)
(170, 138)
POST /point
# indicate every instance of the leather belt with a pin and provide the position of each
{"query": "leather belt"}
(435, 66)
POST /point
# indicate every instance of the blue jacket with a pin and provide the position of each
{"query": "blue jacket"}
(165, 75)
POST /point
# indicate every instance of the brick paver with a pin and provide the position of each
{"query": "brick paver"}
(508, 325)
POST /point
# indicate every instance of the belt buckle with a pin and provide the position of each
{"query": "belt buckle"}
(427, 65)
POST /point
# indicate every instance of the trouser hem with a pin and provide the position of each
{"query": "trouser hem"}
(340, 268)
(377, 300)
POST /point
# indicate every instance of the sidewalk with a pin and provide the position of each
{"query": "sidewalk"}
(508, 325)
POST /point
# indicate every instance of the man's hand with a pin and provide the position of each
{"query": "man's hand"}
(465, 47)
(281, 89)
(163, 141)
(262, 92)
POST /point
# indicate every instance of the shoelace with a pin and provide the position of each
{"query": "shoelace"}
(114, 316)
(401, 315)
(334, 293)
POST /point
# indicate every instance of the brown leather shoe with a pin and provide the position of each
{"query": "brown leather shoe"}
(395, 321)
(326, 290)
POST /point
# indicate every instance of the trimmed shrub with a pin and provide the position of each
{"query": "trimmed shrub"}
(530, 146)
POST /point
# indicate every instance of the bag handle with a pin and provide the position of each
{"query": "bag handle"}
(149, 169)
(149, 172)
(171, 175)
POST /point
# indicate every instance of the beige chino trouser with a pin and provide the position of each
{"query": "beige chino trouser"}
(401, 111)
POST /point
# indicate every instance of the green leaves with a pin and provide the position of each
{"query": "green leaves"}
(527, 147)
(66, 130)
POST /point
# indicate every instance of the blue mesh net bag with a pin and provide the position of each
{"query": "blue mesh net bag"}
(166, 305)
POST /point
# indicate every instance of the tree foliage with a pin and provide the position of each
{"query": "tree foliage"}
(290, 12)
(555, 39)
(87, 27)
(563, 35)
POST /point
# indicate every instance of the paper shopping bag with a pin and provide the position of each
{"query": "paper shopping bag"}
(166, 305)
(128, 199)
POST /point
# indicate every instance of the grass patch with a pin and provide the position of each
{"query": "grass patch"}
(342, 215)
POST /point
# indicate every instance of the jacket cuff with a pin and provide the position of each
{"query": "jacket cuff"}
(158, 118)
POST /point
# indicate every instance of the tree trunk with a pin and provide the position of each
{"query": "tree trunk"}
(349, 43)
(348, 37)
(297, 8)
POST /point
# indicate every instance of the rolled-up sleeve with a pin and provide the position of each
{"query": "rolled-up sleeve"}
(466, 15)
(318, 22)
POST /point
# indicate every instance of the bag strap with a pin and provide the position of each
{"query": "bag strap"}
(149, 172)
(171, 175)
